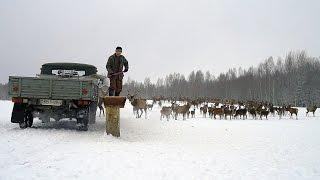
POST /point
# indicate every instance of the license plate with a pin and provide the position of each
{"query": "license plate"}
(50, 102)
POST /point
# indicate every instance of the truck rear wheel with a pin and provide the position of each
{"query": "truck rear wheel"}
(27, 121)
(86, 115)
(83, 124)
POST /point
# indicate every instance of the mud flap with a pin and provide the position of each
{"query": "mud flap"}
(18, 113)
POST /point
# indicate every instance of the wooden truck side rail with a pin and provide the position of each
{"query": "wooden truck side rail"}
(52, 88)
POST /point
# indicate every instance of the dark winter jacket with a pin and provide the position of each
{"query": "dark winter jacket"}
(114, 66)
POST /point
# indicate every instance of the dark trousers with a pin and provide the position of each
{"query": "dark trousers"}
(115, 86)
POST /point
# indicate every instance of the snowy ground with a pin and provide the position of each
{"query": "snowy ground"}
(152, 149)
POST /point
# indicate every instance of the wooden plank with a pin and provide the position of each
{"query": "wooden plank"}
(19, 86)
(50, 88)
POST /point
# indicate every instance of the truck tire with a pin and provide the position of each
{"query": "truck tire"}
(92, 112)
(89, 115)
(44, 118)
(57, 117)
(83, 124)
(27, 121)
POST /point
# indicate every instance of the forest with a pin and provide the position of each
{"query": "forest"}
(4, 92)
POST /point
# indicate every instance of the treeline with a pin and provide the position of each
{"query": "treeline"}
(4, 92)
(294, 79)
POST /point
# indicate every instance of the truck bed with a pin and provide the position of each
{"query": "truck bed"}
(52, 88)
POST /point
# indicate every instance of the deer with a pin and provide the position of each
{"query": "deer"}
(241, 112)
(150, 106)
(292, 111)
(311, 109)
(263, 111)
(201, 110)
(253, 112)
(100, 103)
(204, 110)
(210, 111)
(101, 94)
(228, 112)
(138, 104)
(193, 113)
(218, 111)
(181, 110)
(280, 111)
(165, 112)
(272, 109)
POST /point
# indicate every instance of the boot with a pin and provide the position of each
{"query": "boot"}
(117, 93)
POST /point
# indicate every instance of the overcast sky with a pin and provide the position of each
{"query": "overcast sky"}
(158, 37)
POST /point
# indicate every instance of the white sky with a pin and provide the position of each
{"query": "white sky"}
(158, 37)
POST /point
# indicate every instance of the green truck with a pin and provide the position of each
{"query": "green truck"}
(61, 90)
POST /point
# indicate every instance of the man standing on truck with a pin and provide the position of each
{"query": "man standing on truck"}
(115, 65)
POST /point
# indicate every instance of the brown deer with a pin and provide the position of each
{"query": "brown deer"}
(263, 110)
(218, 111)
(228, 112)
(210, 111)
(204, 110)
(272, 109)
(241, 112)
(166, 112)
(181, 110)
(138, 105)
(253, 112)
(280, 111)
(101, 94)
(292, 111)
(311, 109)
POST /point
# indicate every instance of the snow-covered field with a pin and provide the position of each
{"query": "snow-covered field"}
(152, 149)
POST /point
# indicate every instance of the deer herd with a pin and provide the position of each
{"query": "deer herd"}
(212, 108)
(215, 108)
